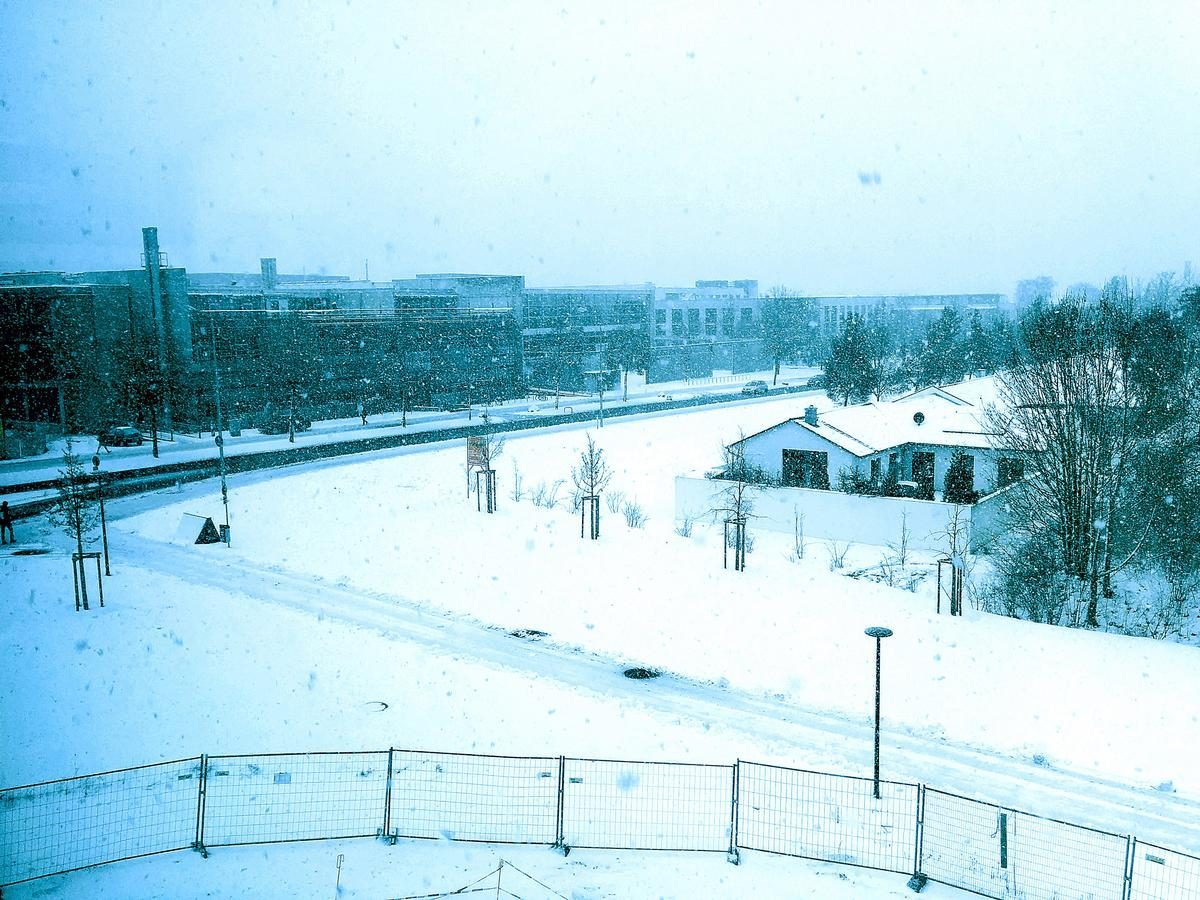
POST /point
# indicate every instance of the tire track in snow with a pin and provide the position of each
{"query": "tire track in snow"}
(1085, 799)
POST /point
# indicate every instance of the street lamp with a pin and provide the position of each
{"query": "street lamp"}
(103, 522)
(220, 438)
(879, 633)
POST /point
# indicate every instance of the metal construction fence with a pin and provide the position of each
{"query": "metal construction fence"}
(217, 801)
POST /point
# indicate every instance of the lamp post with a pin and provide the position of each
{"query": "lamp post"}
(220, 439)
(879, 633)
(103, 522)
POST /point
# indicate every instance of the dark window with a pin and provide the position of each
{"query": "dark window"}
(876, 465)
(693, 320)
(727, 316)
(1008, 470)
(806, 468)
(677, 320)
(710, 322)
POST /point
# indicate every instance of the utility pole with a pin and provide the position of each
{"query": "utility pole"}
(220, 438)
(103, 522)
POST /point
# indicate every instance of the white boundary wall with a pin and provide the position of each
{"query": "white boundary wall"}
(831, 515)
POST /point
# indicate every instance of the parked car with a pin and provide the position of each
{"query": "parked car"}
(278, 423)
(121, 436)
(755, 388)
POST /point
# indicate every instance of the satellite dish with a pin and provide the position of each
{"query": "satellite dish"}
(919, 417)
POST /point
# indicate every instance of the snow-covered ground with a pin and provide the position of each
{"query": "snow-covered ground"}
(353, 582)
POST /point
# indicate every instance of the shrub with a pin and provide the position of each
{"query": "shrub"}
(635, 517)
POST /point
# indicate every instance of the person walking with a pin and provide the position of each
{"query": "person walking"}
(362, 411)
(6, 521)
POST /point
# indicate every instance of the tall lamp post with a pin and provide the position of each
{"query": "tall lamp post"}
(879, 633)
(103, 521)
(220, 439)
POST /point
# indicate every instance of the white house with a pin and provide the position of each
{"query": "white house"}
(910, 439)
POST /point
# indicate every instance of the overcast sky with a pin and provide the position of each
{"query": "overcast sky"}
(832, 147)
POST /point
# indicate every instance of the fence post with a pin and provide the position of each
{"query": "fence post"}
(1130, 855)
(560, 840)
(201, 800)
(918, 880)
(733, 856)
(387, 800)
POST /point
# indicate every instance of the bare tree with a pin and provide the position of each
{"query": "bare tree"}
(737, 501)
(75, 508)
(1069, 411)
(590, 476)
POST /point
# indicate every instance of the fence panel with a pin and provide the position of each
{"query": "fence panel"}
(961, 844)
(1056, 861)
(612, 804)
(293, 797)
(830, 817)
(60, 826)
(1162, 874)
(466, 797)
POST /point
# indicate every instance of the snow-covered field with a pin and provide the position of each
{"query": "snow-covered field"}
(354, 582)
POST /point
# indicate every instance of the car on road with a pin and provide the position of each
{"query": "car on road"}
(756, 388)
(120, 436)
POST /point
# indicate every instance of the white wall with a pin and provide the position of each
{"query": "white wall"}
(766, 449)
(831, 515)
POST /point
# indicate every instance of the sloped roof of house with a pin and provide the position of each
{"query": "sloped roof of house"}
(949, 416)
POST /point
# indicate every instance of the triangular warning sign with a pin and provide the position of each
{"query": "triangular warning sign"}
(209, 533)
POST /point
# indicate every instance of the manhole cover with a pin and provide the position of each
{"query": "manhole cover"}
(32, 551)
(531, 633)
(641, 673)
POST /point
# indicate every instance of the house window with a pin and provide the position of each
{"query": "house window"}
(693, 320)
(806, 468)
(747, 318)
(677, 321)
(710, 322)
(660, 322)
(1008, 470)
(876, 466)
(894, 466)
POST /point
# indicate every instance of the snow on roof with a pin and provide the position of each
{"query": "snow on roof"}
(951, 416)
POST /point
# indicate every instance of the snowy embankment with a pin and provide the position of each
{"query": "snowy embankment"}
(351, 583)
(403, 526)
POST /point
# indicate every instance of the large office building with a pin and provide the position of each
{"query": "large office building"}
(147, 344)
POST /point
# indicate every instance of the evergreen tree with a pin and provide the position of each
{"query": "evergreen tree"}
(959, 486)
(942, 358)
(978, 353)
(847, 371)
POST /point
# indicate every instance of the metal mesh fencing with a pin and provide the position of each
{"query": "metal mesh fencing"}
(961, 844)
(1161, 874)
(1003, 853)
(829, 817)
(60, 826)
(293, 797)
(466, 797)
(1054, 861)
(646, 806)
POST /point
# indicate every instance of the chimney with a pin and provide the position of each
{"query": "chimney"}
(269, 273)
(810, 415)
